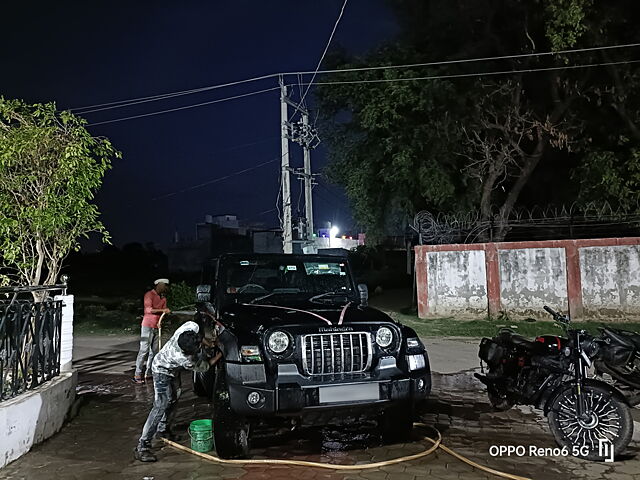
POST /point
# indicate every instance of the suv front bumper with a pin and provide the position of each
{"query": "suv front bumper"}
(296, 394)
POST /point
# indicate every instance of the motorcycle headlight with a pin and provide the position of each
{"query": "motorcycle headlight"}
(384, 336)
(278, 341)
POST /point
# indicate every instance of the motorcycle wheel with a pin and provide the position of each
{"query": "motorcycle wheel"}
(609, 419)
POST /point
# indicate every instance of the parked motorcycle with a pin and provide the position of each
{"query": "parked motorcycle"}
(550, 373)
(619, 358)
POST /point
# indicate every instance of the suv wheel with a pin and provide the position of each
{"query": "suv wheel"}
(396, 423)
(230, 431)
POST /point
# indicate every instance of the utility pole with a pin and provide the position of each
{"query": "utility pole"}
(308, 180)
(287, 233)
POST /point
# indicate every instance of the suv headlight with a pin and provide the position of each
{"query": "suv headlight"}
(384, 336)
(278, 341)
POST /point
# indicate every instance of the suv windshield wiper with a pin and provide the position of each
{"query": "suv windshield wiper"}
(328, 294)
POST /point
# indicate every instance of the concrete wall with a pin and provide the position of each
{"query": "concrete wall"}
(34, 416)
(595, 278)
(457, 282)
(610, 280)
(532, 278)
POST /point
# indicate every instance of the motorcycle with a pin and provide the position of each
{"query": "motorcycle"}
(586, 416)
(619, 358)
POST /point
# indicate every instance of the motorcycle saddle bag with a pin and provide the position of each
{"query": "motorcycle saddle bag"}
(491, 352)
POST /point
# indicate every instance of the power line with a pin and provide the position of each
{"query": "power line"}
(135, 101)
(132, 117)
(216, 180)
(326, 48)
(162, 96)
(383, 80)
(478, 74)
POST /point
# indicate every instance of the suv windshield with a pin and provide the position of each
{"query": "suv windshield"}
(253, 279)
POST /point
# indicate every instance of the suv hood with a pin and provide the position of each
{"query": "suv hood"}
(252, 316)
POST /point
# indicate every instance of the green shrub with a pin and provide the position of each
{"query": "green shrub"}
(181, 295)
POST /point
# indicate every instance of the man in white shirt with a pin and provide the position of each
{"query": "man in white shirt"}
(182, 352)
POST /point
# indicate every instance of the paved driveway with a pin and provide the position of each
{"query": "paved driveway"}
(98, 442)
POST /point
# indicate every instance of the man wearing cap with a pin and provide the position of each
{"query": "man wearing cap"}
(155, 304)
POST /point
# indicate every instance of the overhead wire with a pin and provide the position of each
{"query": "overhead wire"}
(216, 180)
(382, 80)
(132, 117)
(138, 100)
(478, 74)
(324, 53)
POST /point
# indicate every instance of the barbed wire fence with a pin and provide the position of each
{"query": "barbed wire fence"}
(549, 223)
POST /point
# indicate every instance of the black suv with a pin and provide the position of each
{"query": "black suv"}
(298, 340)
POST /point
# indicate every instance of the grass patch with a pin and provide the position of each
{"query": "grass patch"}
(107, 323)
(452, 327)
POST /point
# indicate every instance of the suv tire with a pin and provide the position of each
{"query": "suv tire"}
(230, 431)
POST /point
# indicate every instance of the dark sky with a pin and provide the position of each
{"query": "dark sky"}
(85, 53)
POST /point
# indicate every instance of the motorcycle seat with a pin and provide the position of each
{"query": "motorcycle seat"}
(518, 340)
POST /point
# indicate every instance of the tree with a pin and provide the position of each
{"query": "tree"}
(50, 169)
(505, 143)
(389, 145)
(501, 128)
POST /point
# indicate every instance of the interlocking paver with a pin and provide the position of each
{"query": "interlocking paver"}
(99, 442)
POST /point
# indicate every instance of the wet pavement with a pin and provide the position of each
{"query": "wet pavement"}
(98, 442)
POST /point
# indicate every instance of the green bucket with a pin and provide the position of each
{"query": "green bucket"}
(201, 433)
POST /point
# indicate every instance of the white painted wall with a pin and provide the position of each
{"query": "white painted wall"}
(610, 280)
(34, 416)
(456, 282)
(531, 278)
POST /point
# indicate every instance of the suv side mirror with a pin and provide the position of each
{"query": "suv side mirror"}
(203, 293)
(364, 294)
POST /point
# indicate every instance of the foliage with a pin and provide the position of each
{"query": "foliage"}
(181, 295)
(565, 22)
(475, 143)
(50, 169)
(612, 177)
(392, 152)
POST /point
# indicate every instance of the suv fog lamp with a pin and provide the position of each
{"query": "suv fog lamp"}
(278, 341)
(253, 398)
(416, 362)
(384, 337)
(421, 384)
(250, 353)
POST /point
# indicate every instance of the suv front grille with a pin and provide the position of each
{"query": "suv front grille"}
(336, 353)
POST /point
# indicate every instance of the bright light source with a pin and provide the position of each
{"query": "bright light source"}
(334, 231)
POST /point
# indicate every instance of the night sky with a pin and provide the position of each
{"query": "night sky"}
(86, 53)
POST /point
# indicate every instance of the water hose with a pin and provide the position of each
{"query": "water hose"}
(160, 331)
(436, 444)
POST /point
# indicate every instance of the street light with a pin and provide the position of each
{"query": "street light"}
(332, 233)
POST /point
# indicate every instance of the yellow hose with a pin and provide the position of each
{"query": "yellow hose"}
(330, 466)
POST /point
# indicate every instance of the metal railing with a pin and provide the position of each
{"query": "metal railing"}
(30, 334)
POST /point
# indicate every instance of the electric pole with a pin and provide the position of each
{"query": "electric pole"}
(287, 233)
(308, 179)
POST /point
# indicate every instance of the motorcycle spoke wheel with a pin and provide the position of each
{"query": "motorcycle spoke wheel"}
(606, 418)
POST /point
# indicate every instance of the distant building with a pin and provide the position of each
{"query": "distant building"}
(220, 234)
(217, 234)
